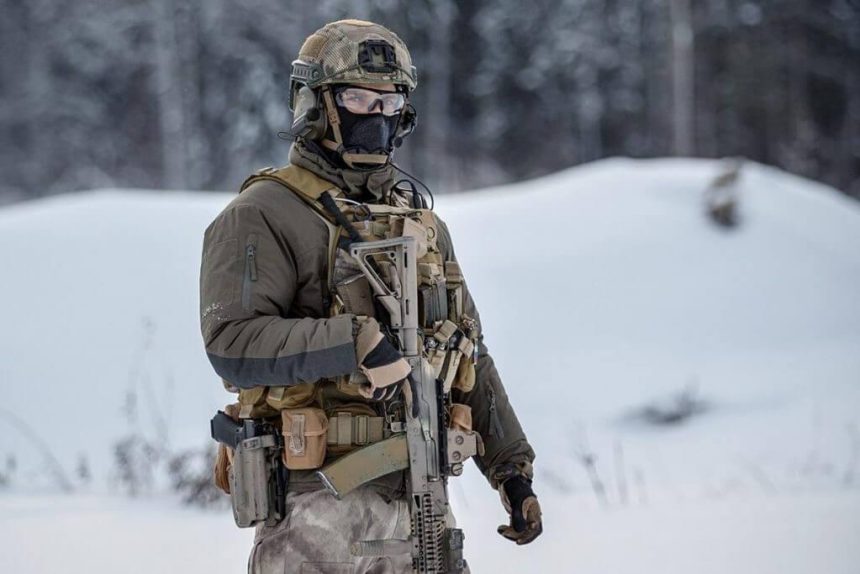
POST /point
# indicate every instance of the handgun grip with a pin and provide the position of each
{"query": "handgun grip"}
(225, 430)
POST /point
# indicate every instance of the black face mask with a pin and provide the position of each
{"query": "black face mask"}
(370, 133)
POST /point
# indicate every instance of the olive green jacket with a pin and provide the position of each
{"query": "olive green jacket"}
(264, 300)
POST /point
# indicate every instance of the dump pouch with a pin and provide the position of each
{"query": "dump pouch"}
(305, 432)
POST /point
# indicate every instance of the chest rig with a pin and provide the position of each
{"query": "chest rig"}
(449, 335)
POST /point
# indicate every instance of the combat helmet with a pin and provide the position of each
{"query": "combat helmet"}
(347, 52)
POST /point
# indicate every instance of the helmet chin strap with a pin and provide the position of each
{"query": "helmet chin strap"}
(350, 159)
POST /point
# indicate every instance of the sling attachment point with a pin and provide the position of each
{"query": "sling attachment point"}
(333, 210)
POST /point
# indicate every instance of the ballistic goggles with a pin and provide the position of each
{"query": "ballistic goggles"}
(366, 101)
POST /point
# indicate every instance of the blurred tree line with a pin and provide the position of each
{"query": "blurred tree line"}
(192, 93)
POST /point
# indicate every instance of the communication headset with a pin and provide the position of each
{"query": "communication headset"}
(308, 120)
(406, 125)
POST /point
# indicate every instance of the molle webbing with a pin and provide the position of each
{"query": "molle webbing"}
(345, 429)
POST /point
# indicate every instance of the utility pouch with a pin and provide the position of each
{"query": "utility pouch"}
(305, 433)
(356, 295)
(454, 284)
(464, 380)
(460, 417)
(451, 354)
(432, 304)
(407, 227)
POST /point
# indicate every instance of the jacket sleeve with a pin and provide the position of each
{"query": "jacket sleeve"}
(248, 281)
(506, 448)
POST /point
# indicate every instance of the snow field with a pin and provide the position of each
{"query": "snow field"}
(601, 288)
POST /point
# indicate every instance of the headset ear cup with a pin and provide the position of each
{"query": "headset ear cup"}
(308, 120)
(408, 121)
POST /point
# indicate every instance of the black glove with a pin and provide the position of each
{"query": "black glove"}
(522, 504)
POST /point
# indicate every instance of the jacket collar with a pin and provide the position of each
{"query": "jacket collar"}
(369, 186)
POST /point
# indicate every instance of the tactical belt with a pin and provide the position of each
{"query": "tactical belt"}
(345, 429)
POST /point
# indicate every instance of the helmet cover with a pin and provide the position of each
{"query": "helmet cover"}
(352, 52)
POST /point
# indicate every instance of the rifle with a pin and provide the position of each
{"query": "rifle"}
(425, 445)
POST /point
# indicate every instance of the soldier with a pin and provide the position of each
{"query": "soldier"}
(291, 327)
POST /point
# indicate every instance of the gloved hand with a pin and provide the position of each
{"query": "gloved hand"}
(381, 363)
(521, 503)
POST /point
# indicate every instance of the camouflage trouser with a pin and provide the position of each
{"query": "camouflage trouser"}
(315, 536)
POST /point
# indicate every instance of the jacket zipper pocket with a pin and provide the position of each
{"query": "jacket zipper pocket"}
(250, 271)
(496, 429)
